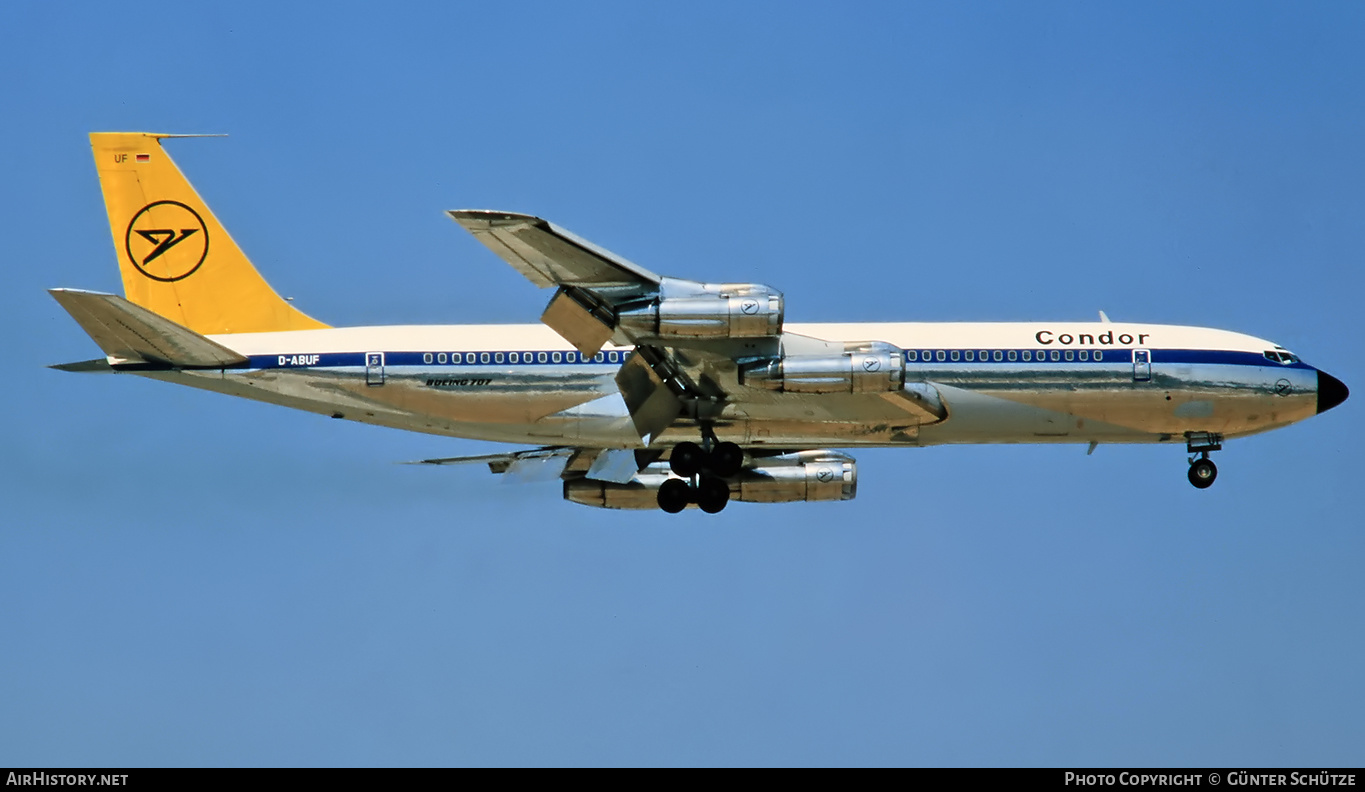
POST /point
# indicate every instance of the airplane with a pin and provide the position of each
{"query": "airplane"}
(641, 391)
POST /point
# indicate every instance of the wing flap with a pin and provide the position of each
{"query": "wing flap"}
(129, 333)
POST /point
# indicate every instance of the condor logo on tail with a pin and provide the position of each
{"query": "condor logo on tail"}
(155, 236)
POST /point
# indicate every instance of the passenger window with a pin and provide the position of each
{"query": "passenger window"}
(614, 357)
(911, 355)
(1013, 355)
(540, 357)
(985, 355)
(926, 356)
(513, 358)
(1070, 356)
(441, 357)
(1099, 355)
(954, 354)
(1028, 356)
(941, 355)
(1056, 356)
(998, 356)
(483, 357)
(556, 357)
(1085, 354)
(498, 357)
(968, 355)
(598, 358)
(426, 357)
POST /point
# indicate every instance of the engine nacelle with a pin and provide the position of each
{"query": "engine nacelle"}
(864, 367)
(608, 495)
(805, 476)
(790, 478)
(710, 310)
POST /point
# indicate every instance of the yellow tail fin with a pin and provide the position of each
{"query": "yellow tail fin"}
(175, 257)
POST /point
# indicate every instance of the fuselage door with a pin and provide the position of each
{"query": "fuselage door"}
(1142, 365)
(374, 368)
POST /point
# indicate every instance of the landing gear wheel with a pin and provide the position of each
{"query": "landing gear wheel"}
(686, 459)
(712, 495)
(1202, 473)
(674, 495)
(726, 459)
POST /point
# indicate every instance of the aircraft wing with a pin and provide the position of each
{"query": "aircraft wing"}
(547, 254)
(700, 348)
(550, 462)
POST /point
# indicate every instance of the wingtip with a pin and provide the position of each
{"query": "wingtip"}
(490, 217)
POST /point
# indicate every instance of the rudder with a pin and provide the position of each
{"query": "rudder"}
(176, 259)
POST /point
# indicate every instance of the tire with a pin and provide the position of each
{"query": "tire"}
(712, 494)
(686, 459)
(727, 459)
(674, 495)
(1203, 473)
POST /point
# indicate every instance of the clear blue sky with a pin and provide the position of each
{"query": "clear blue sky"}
(190, 579)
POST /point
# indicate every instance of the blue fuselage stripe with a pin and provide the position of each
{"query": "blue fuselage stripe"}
(1110, 357)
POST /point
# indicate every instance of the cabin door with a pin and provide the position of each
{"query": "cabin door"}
(1142, 365)
(374, 368)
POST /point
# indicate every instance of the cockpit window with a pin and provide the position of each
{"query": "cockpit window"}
(1283, 358)
(1275, 356)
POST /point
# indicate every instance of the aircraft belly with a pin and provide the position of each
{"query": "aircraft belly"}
(584, 407)
(1108, 406)
(482, 406)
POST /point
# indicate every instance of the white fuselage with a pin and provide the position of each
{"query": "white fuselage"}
(1028, 382)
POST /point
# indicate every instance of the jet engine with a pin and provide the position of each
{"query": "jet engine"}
(705, 310)
(864, 367)
(788, 478)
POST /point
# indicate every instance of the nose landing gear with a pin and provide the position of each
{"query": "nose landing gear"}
(1202, 470)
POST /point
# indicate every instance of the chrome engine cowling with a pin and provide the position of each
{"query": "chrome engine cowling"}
(864, 367)
(789, 478)
(804, 476)
(705, 310)
(642, 492)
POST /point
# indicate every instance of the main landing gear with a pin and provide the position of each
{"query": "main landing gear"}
(1202, 470)
(704, 469)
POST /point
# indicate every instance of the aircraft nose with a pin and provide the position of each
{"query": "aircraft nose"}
(1331, 392)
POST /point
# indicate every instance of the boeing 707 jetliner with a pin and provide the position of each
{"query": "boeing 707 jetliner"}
(640, 390)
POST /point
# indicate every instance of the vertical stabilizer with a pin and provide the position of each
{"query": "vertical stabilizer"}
(176, 259)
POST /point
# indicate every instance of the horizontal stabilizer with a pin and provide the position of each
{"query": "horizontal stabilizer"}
(129, 333)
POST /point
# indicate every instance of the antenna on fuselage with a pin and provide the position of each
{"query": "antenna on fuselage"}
(1104, 317)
